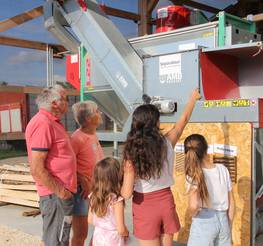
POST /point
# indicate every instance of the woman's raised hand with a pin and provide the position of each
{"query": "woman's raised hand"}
(195, 94)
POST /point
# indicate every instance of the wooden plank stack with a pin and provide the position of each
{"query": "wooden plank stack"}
(17, 185)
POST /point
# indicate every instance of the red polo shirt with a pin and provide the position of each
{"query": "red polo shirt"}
(44, 132)
(88, 152)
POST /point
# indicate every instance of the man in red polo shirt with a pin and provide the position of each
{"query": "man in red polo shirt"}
(52, 165)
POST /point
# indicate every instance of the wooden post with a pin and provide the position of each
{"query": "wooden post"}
(258, 17)
(144, 26)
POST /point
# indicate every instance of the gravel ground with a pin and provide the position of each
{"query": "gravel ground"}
(13, 237)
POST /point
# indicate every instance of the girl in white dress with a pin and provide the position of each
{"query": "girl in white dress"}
(106, 210)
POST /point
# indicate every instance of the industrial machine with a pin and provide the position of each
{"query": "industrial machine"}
(223, 58)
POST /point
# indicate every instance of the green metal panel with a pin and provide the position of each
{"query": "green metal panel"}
(83, 92)
(225, 19)
(221, 28)
(82, 71)
(240, 23)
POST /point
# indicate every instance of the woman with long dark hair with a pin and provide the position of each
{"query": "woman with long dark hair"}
(148, 174)
(211, 201)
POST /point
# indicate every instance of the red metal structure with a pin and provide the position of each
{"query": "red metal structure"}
(83, 5)
(72, 71)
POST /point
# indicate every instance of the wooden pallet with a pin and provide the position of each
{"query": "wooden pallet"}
(17, 186)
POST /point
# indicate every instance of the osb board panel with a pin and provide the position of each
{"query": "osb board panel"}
(233, 134)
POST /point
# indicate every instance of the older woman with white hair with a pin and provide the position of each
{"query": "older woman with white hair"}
(88, 152)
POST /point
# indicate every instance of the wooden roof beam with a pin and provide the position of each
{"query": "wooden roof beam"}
(22, 43)
(21, 18)
(120, 13)
(36, 12)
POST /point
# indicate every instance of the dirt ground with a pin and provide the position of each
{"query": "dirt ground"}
(13, 237)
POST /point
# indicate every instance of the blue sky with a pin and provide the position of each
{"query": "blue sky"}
(20, 66)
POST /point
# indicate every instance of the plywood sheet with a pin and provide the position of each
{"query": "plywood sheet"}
(237, 135)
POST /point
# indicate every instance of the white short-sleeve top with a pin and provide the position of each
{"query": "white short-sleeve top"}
(218, 184)
(166, 179)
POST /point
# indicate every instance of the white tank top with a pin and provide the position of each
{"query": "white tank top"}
(166, 179)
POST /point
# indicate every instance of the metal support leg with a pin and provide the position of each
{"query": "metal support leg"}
(253, 195)
(50, 67)
(115, 143)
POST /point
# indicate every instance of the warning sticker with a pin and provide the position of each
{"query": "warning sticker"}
(88, 72)
(228, 103)
(74, 58)
(170, 69)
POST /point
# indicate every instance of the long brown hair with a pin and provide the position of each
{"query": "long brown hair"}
(145, 146)
(106, 182)
(195, 148)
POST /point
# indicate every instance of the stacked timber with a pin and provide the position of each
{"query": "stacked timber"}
(17, 185)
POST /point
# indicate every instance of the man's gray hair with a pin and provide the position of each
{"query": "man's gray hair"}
(49, 95)
(82, 110)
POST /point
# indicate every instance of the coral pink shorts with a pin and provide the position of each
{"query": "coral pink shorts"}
(154, 214)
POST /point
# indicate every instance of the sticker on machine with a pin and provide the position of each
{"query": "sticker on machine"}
(121, 79)
(225, 149)
(74, 58)
(170, 69)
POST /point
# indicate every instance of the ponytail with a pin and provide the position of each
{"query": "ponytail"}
(194, 154)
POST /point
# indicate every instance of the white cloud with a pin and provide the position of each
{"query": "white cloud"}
(25, 57)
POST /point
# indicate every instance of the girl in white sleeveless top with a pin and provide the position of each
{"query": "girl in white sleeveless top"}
(210, 196)
(148, 174)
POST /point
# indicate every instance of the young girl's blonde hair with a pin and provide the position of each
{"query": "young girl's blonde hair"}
(195, 148)
(106, 182)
